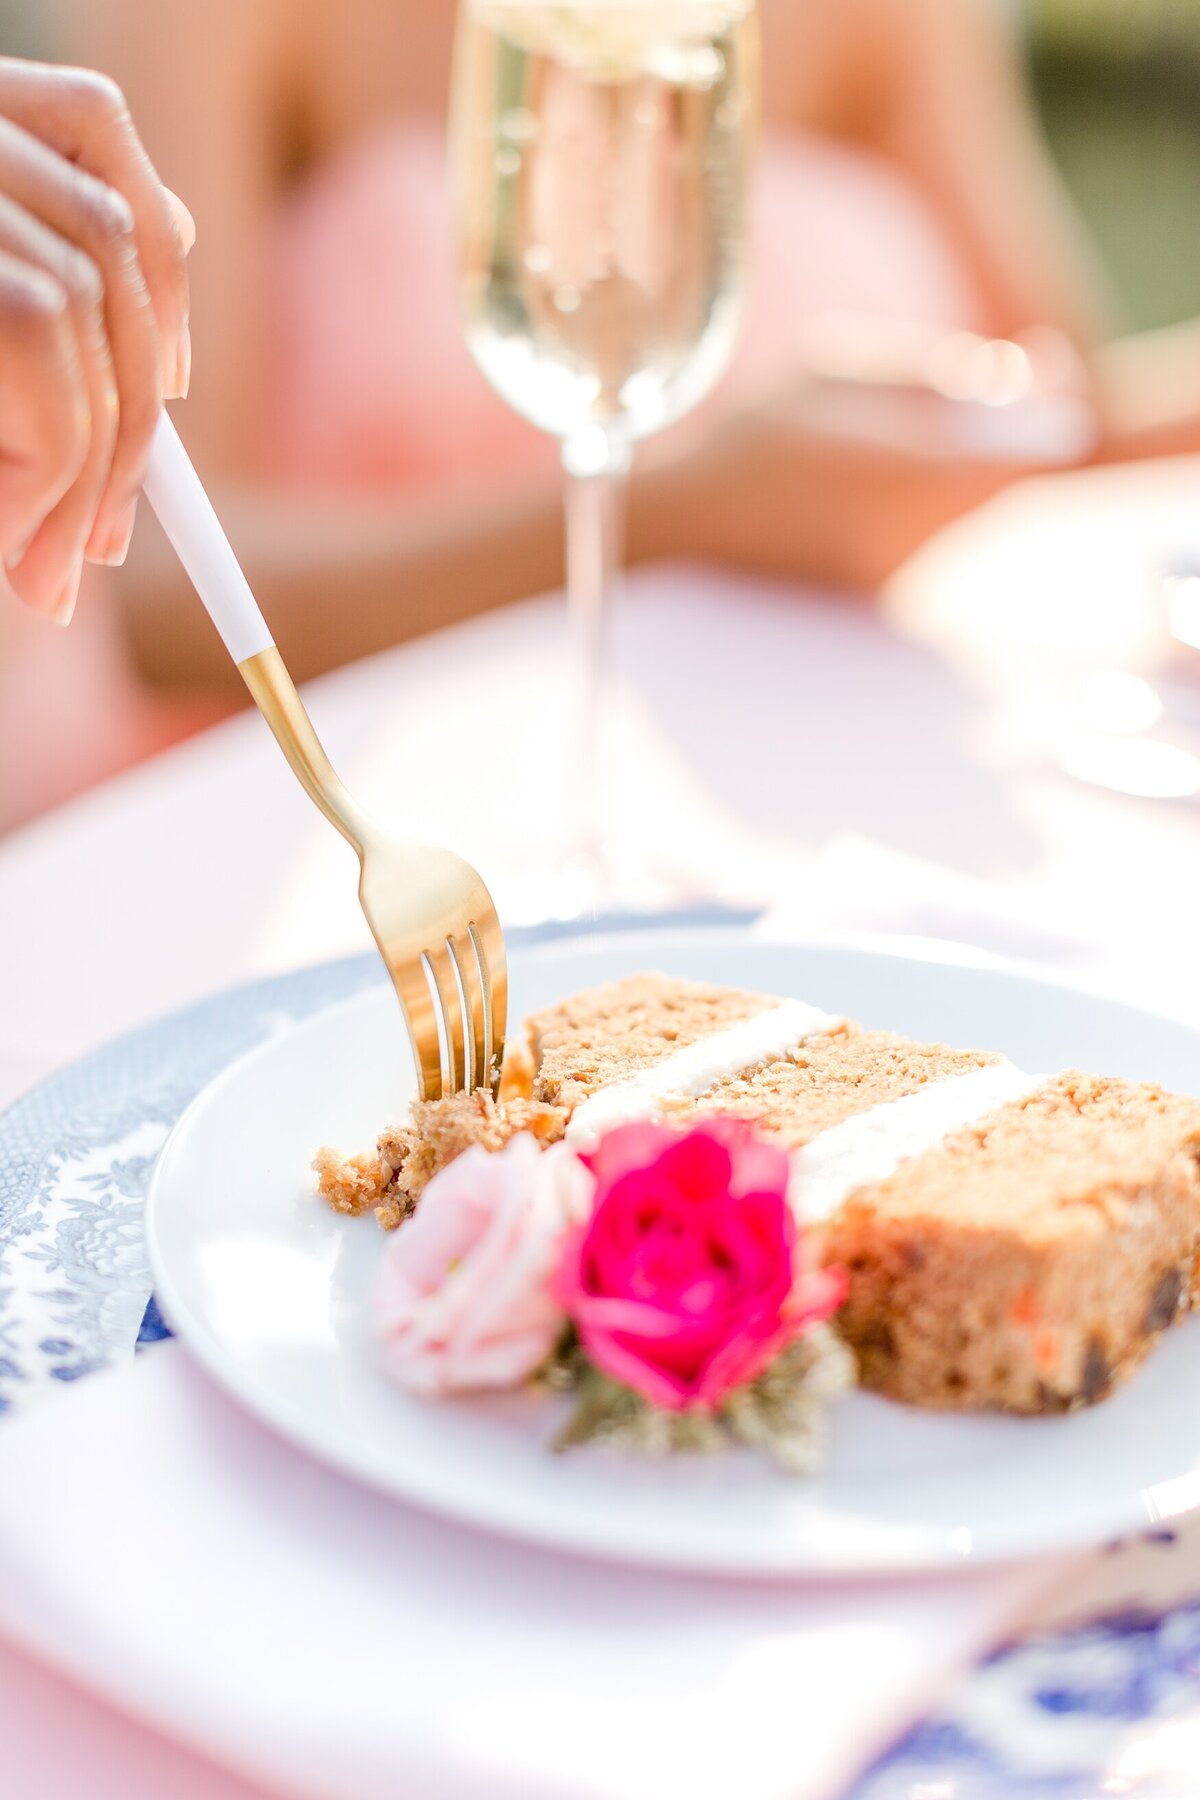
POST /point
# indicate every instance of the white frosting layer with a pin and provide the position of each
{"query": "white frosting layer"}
(868, 1147)
(698, 1067)
(872, 1145)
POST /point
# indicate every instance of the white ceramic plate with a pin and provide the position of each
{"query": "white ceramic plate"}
(269, 1290)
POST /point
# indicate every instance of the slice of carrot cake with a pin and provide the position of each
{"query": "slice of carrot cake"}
(1011, 1240)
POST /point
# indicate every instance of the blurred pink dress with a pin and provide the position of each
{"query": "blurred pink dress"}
(374, 390)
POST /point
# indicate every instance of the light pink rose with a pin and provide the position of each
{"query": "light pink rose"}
(689, 1277)
(463, 1297)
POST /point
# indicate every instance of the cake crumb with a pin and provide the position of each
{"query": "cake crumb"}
(390, 1182)
(351, 1185)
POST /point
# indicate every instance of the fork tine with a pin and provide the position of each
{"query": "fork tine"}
(466, 955)
(488, 940)
(441, 967)
(416, 1003)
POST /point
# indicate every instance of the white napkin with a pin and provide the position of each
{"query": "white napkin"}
(162, 1548)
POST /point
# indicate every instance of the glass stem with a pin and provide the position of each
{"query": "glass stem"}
(596, 464)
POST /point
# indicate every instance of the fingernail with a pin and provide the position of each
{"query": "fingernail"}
(185, 225)
(114, 547)
(184, 222)
(63, 609)
(183, 363)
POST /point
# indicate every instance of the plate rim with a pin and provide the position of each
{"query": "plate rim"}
(931, 1549)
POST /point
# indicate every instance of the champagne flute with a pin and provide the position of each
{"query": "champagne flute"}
(601, 156)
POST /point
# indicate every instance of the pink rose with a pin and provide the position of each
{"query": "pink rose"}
(463, 1297)
(686, 1281)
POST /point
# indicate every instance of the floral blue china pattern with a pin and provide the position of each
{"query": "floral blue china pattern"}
(1103, 1702)
(1110, 1706)
(75, 1158)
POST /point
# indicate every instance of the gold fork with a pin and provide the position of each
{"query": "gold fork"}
(429, 912)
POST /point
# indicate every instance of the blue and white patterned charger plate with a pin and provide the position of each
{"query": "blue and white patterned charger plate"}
(1106, 1706)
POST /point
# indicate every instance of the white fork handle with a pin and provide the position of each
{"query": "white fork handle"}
(186, 514)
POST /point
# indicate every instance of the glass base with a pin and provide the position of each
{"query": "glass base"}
(609, 880)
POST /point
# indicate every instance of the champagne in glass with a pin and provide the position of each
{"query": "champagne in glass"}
(601, 156)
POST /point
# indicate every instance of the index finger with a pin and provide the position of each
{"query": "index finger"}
(83, 116)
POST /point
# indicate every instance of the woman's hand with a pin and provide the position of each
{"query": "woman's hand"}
(93, 324)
